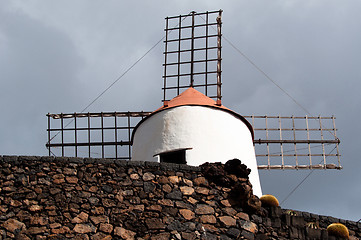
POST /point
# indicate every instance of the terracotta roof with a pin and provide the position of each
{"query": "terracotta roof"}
(191, 97)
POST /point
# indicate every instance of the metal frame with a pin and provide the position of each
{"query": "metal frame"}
(298, 155)
(199, 25)
(56, 141)
(277, 138)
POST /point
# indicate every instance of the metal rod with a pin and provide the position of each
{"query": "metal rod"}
(195, 13)
(62, 136)
(49, 133)
(262, 141)
(191, 62)
(115, 136)
(190, 26)
(206, 63)
(165, 60)
(294, 138)
(268, 153)
(308, 138)
(102, 127)
(82, 144)
(129, 139)
(338, 153)
(282, 159)
(89, 134)
(179, 54)
(323, 145)
(188, 74)
(192, 52)
(75, 136)
(219, 44)
(189, 50)
(190, 38)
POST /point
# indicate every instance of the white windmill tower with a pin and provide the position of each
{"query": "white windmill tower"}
(193, 127)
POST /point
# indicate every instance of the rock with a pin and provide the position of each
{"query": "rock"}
(148, 176)
(208, 219)
(228, 221)
(61, 230)
(174, 179)
(189, 236)
(80, 218)
(84, 228)
(154, 223)
(99, 219)
(35, 208)
(243, 216)
(204, 209)
(106, 227)
(202, 190)
(166, 202)
(200, 181)
(236, 167)
(175, 195)
(187, 190)
(36, 230)
(72, 180)
(38, 220)
(13, 225)
(187, 214)
(161, 236)
(249, 226)
(124, 233)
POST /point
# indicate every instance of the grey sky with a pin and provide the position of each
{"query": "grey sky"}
(57, 56)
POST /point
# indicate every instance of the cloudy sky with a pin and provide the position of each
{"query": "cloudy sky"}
(57, 56)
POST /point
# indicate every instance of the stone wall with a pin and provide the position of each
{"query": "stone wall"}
(74, 198)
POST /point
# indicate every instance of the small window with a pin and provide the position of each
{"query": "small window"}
(178, 157)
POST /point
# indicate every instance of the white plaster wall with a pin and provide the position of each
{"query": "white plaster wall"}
(214, 136)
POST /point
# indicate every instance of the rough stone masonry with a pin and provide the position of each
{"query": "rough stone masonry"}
(76, 198)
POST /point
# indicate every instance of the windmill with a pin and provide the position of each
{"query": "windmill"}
(192, 90)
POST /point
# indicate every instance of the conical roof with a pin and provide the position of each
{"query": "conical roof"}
(191, 97)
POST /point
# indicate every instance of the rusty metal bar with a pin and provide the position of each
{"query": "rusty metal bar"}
(190, 26)
(115, 135)
(129, 139)
(102, 126)
(189, 50)
(165, 60)
(219, 44)
(191, 62)
(190, 38)
(338, 153)
(75, 137)
(83, 144)
(262, 141)
(294, 139)
(323, 145)
(89, 134)
(179, 53)
(188, 74)
(49, 135)
(206, 64)
(196, 14)
(62, 136)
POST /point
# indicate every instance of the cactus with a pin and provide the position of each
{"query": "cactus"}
(269, 201)
(291, 213)
(313, 225)
(338, 230)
